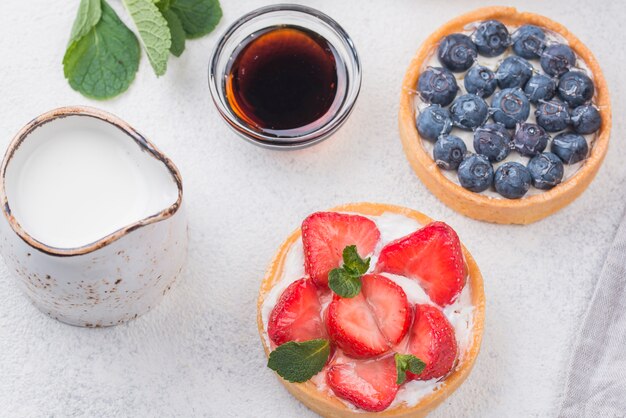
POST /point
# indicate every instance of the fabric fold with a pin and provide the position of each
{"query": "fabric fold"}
(596, 383)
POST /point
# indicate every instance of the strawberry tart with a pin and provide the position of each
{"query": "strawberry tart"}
(371, 310)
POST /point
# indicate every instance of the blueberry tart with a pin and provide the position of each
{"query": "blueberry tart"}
(505, 115)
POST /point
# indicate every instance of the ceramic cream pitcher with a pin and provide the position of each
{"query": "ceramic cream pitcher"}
(93, 224)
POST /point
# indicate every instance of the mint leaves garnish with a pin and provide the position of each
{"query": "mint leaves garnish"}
(407, 363)
(101, 59)
(346, 281)
(103, 54)
(299, 361)
(153, 30)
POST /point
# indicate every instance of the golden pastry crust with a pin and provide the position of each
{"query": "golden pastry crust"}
(478, 206)
(330, 406)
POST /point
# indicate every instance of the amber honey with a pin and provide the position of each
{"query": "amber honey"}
(283, 78)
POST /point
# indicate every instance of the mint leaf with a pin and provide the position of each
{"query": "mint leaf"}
(88, 16)
(176, 31)
(103, 62)
(353, 263)
(344, 283)
(153, 30)
(198, 17)
(298, 362)
(407, 362)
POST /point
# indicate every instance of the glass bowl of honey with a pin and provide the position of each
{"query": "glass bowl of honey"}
(285, 76)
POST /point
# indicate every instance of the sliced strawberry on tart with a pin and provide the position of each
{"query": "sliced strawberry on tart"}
(368, 384)
(370, 323)
(347, 340)
(432, 340)
(431, 255)
(297, 315)
(326, 234)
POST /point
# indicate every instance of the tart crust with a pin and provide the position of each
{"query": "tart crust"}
(330, 406)
(521, 211)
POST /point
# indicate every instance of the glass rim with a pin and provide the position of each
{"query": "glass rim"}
(297, 141)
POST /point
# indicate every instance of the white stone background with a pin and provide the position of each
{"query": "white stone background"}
(198, 353)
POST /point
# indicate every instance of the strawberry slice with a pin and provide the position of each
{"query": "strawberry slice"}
(352, 326)
(367, 384)
(296, 316)
(433, 256)
(389, 306)
(326, 234)
(370, 323)
(432, 340)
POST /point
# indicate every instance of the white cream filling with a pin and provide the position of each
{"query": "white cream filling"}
(391, 226)
(492, 63)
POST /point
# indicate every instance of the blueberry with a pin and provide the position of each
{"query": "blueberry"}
(570, 147)
(512, 180)
(510, 106)
(475, 173)
(529, 41)
(530, 139)
(437, 85)
(457, 52)
(469, 112)
(493, 141)
(481, 81)
(586, 119)
(557, 59)
(449, 152)
(540, 87)
(514, 71)
(491, 38)
(553, 116)
(433, 122)
(575, 88)
(546, 170)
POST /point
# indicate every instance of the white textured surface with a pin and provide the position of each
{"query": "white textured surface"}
(198, 353)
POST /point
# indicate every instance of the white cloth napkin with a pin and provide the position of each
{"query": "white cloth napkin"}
(596, 385)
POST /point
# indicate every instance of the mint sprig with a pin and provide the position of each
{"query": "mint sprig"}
(103, 54)
(299, 361)
(407, 363)
(346, 281)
